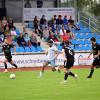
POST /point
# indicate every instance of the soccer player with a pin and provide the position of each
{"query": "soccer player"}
(96, 55)
(52, 54)
(7, 45)
(68, 55)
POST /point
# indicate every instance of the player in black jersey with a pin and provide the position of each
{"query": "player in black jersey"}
(96, 55)
(68, 55)
(6, 47)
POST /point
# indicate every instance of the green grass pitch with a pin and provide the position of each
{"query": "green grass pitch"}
(28, 86)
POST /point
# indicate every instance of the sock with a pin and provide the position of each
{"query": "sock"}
(71, 74)
(5, 65)
(91, 72)
(66, 76)
(14, 65)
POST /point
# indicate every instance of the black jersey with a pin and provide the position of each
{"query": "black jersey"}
(95, 48)
(7, 49)
(69, 53)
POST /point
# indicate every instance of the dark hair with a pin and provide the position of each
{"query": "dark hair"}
(50, 41)
(93, 39)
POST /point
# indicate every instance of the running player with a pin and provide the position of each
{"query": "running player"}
(52, 54)
(96, 55)
(7, 45)
(68, 55)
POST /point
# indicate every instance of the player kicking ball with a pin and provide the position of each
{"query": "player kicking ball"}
(96, 55)
(68, 55)
(52, 55)
(6, 47)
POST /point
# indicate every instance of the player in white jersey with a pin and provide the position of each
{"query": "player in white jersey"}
(52, 54)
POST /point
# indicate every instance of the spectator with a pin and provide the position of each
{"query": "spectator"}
(39, 3)
(27, 4)
(46, 33)
(24, 31)
(6, 30)
(36, 24)
(4, 21)
(1, 28)
(69, 34)
(62, 31)
(59, 21)
(33, 40)
(65, 22)
(20, 40)
(43, 22)
(27, 39)
(10, 23)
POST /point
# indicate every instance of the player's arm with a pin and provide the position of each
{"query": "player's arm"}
(90, 54)
(63, 53)
(98, 51)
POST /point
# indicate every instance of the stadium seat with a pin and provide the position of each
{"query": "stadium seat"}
(27, 49)
(33, 49)
(39, 49)
(30, 25)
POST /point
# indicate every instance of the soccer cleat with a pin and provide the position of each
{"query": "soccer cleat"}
(41, 74)
(89, 77)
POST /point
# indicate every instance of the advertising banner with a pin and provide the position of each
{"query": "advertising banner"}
(30, 13)
(37, 60)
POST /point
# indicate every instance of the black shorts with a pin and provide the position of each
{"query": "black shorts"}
(68, 64)
(96, 61)
(9, 59)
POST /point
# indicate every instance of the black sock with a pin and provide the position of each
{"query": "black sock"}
(14, 65)
(91, 72)
(66, 76)
(5, 65)
(71, 74)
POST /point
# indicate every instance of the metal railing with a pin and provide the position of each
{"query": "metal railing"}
(89, 21)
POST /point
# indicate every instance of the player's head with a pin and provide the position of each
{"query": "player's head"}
(93, 40)
(50, 43)
(8, 39)
(66, 44)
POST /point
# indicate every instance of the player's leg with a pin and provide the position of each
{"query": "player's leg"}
(66, 71)
(12, 63)
(5, 64)
(54, 66)
(42, 70)
(92, 68)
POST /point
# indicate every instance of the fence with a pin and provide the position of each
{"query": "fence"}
(90, 22)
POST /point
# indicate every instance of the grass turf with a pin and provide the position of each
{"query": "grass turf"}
(27, 86)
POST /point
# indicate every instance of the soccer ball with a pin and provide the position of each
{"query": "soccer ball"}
(12, 76)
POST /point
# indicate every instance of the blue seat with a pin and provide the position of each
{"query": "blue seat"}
(87, 41)
(22, 49)
(27, 49)
(39, 49)
(30, 25)
(88, 35)
(98, 41)
(74, 41)
(33, 49)
(17, 49)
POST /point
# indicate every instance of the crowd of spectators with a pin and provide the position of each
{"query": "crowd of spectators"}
(58, 28)
(23, 39)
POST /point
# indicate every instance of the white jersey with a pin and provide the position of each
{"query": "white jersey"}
(51, 52)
